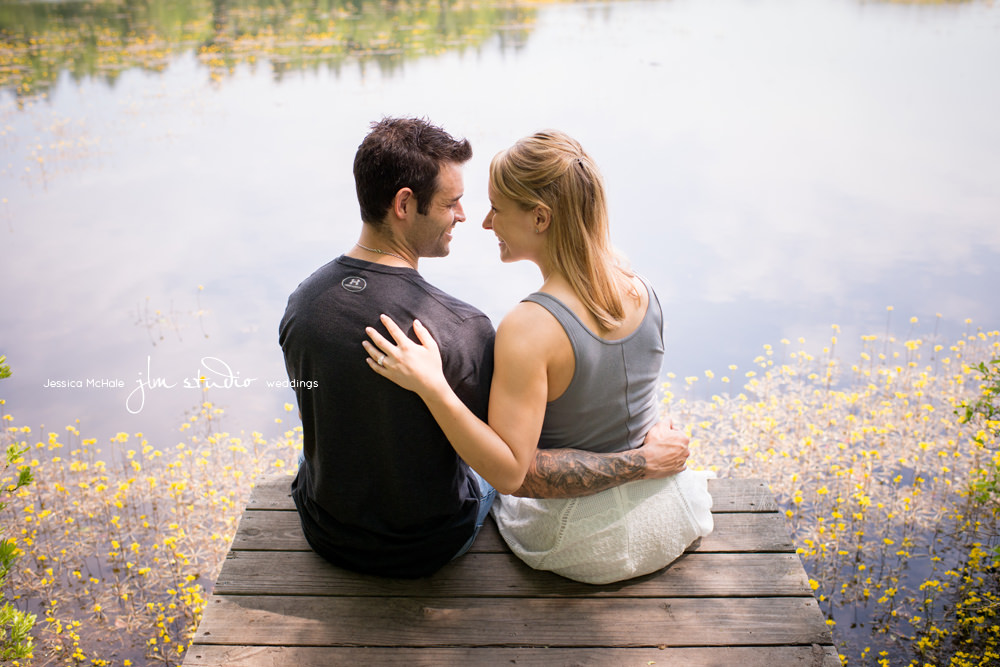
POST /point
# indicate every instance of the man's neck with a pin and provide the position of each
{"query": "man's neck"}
(374, 247)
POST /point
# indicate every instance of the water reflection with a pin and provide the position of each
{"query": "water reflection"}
(96, 39)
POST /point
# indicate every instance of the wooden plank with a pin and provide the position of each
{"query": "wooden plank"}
(512, 622)
(272, 492)
(746, 531)
(269, 530)
(728, 495)
(312, 656)
(741, 495)
(504, 575)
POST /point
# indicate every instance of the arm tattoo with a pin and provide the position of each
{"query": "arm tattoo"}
(570, 473)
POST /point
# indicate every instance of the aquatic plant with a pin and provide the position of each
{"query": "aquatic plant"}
(16, 642)
(878, 478)
(986, 409)
(121, 545)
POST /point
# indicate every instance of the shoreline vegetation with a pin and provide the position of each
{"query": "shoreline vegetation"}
(39, 41)
(884, 479)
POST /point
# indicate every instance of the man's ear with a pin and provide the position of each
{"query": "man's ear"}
(403, 203)
(543, 216)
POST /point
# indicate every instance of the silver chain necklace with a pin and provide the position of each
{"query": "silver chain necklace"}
(384, 252)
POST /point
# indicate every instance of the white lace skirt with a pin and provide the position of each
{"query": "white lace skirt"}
(624, 532)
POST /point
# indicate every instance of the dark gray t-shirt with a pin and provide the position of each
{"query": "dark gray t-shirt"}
(381, 490)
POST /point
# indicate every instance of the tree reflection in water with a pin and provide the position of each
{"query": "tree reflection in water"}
(100, 40)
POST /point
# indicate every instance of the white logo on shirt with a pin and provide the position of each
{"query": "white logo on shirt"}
(353, 284)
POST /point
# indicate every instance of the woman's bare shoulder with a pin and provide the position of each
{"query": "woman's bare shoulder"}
(527, 317)
(529, 329)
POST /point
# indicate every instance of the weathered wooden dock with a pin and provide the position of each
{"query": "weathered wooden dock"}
(739, 597)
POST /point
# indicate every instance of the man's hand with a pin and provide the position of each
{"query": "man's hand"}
(665, 450)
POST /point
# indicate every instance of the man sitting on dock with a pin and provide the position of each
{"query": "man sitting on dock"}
(380, 490)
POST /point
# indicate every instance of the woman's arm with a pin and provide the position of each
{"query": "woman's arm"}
(502, 450)
(570, 473)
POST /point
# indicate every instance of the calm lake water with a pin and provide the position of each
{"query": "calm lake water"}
(774, 168)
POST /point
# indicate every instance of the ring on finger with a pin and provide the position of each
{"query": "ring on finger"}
(381, 361)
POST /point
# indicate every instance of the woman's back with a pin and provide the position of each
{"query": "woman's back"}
(610, 402)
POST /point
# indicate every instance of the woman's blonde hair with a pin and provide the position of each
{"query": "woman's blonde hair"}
(550, 169)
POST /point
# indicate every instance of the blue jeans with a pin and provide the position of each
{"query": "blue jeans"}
(486, 495)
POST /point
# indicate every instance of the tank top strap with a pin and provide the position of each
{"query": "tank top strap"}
(559, 310)
(573, 325)
(654, 302)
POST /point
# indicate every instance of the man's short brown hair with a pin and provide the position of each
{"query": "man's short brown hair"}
(402, 153)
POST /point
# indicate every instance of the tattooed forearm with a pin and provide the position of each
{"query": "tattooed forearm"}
(570, 473)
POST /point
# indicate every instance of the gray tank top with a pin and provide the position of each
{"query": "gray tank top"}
(611, 402)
